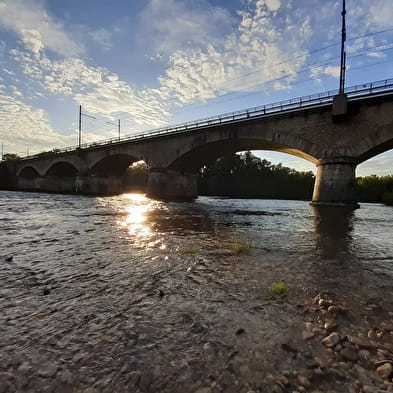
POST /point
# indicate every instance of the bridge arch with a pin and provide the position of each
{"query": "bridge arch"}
(380, 148)
(196, 157)
(28, 172)
(115, 164)
(62, 169)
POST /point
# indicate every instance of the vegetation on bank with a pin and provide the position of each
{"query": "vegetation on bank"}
(246, 176)
(375, 189)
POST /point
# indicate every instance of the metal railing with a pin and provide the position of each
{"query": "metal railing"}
(354, 92)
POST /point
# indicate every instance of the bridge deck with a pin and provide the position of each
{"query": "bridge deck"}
(379, 88)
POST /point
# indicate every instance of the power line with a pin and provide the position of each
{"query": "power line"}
(300, 71)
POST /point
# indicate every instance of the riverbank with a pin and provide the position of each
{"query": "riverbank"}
(86, 333)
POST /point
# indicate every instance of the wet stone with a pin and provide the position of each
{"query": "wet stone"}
(361, 342)
(48, 370)
(349, 354)
(324, 303)
(203, 390)
(303, 381)
(364, 355)
(308, 335)
(330, 326)
(385, 371)
(331, 340)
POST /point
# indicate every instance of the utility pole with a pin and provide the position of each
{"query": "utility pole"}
(339, 109)
(118, 126)
(343, 54)
(2, 150)
(80, 127)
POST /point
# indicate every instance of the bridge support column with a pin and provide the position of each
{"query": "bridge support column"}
(172, 185)
(98, 185)
(335, 182)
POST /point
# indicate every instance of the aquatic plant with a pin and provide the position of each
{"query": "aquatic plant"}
(278, 289)
(239, 245)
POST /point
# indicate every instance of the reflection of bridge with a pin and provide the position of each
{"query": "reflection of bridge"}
(305, 127)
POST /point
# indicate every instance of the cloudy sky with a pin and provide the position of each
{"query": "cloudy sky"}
(152, 63)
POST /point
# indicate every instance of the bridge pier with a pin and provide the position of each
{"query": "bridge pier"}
(335, 182)
(171, 185)
(98, 185)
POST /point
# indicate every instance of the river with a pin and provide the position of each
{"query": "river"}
(129, 294)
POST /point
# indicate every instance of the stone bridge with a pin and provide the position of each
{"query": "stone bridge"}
(307, 129)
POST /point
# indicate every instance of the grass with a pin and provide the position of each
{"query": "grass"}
(190, 250)
(239, 245)
(278, 289)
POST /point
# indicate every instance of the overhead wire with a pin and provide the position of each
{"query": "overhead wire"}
(300, 71)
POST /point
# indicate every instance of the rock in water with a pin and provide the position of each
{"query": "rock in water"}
(331, 340)
(385, 371)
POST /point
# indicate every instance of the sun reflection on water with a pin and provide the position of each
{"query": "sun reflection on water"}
(136, 218)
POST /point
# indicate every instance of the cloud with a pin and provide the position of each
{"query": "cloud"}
(171, 25)
(103, 37)
(22, 126)
(380, 165)
(36, 28)
(96, 88)
(332, 71)
(266, 37)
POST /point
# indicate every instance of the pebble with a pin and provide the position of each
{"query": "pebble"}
(361, 342)
(369, 389)
(46, 291)
(90, 390)
(24, 368)
(364, 355)
(308, 335)
(134, 377)
(203, 390)
(304, 381)
(324, 303)
(349, 354)
(48, 370)
(385, 371)
(331, 340)
(333, 309)
(329, 326)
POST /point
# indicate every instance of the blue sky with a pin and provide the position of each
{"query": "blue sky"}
(152, 63)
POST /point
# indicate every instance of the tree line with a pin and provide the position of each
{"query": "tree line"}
(375, 189)
(246, 176)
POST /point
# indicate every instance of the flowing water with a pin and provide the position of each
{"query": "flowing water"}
(125, 293)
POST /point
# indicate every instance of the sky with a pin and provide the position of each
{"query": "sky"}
(152, 63)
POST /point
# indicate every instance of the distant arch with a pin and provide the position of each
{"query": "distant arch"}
(62, 169)
(115, 164)
(28, 172)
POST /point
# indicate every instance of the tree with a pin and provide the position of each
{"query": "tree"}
(245, 175)
(10, 156)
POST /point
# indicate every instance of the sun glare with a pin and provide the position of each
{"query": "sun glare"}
(137, 207)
